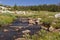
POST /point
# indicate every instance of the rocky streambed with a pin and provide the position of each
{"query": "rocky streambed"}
(18, 28)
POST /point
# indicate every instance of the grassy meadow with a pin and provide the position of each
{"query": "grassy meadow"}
(47, 17)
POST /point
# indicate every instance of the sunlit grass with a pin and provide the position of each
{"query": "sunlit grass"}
(6, 18)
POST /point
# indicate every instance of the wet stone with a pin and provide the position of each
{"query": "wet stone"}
(5, 30)
(26, 31)
(17, 29)
(14, 36)
(2, 36)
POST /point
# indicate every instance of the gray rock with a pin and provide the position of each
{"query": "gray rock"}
(51, 28)
(57, 15)
(5, 30)
(26, 31)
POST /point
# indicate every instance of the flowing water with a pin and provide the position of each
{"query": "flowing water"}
(12, 34)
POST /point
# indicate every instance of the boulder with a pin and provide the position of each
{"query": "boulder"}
(31, 21)
(16, 29)
(51, 28)
(5, 30)
(57, 15)
(38, 20)
(26, 31)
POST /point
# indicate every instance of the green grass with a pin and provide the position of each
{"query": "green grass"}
(6, 18)
(41, 14)
(45, 15)
(44, 35)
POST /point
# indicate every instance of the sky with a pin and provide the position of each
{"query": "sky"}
(28, 2)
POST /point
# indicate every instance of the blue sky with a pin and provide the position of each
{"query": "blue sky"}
(28, 2)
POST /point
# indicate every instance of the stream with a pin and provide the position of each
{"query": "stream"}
(21, 24)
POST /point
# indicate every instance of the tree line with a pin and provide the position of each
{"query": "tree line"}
(53, 8)
(44, 7)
